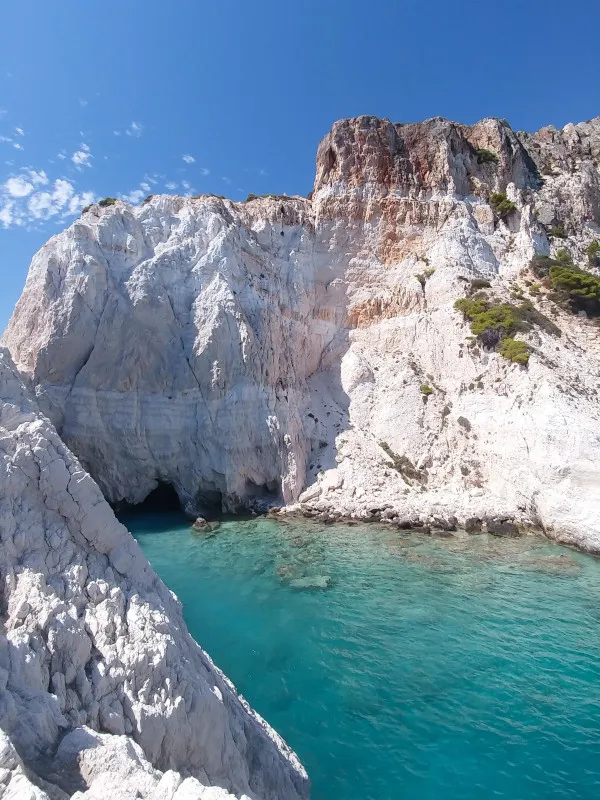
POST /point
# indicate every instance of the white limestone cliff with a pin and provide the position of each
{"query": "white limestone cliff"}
(264, 351)
(103, 693)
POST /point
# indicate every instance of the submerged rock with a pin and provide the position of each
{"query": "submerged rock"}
(473, 525)
(501, 527)
(202, 525)
(313, 582)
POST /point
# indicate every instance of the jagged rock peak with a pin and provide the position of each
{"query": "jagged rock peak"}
(261, 352)
(431, 156)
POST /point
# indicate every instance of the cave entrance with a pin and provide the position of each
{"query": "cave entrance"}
(163, 498)
(209, 503)
(262, 495)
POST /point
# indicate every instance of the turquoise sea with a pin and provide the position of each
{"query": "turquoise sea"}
(447, 669)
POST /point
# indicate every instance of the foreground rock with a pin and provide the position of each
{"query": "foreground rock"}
(102, 690)
(291, 349)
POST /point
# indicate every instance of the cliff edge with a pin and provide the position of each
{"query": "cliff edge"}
(310, 350)
(103, 692)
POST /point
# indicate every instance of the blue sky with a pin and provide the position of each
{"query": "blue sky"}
(232, 97)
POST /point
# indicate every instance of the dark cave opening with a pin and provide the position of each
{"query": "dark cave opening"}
(262, 495)
(163, 498)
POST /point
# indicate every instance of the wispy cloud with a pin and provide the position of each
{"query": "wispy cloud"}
(204, 171)
(23, 201)
(24, 184)
(227, 180)
(135, 129)
(189, 159)
(19, 131)
(18, 187)
(133, 197)
(62, 156)
(17, 146)
(171, 186)
(188, 189)
(82, 157)
(82, 102)
(116, 133)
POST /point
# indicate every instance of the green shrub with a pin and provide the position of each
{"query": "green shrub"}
(480, 283)
(535, 288)
(426, 390)
(147, 200)
(251, 196)
(403, 465)
(85, 209)
(514, 350)
(564, 256)
(558, 232)
(422, 276)
(486, 156)
(580, 289)
(540, 265)
(108, 201)
(490, 323)
(501, 205)
(593, 253)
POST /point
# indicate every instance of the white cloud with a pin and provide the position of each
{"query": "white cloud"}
(63, 192)
(187, 188)
(6, 215)
(145, 186)
(204, 171)
(171, 186)
(22, 202)
(79, 201)
(18, 187)
(133, 197)
(43, 205)
(62, 156)
(38, 178)
(19, 131)
(82, 157)
(17, 146)
(117, 133)
(227, 180)
(83, 103)
(3, 111)
(135, 129)
(5, 139)
(189, 159)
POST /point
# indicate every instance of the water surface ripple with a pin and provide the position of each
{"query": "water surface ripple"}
(459, 668)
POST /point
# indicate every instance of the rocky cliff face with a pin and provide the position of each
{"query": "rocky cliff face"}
(289, 349)
(103, 693)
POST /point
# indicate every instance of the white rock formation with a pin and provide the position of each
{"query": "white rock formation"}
(266, 349)
(103, 693)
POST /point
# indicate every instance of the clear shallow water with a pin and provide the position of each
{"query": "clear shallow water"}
(458, 669)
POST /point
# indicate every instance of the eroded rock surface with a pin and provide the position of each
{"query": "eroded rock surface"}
(281, 349)
(103, 693)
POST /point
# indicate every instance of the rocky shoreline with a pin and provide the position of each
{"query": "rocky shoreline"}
(352, 350)
(103, 692)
